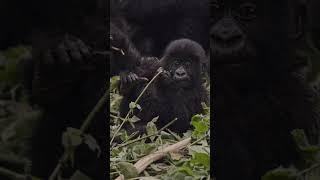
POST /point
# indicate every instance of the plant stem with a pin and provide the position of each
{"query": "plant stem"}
(199, 140)
(83, 128)
(131, 110)
(145, 137)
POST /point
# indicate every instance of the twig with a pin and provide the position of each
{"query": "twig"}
(11, 174)
(198, 140)
(117, 117)
(308, 169)
(118, 49)
(145, 137)
(147, 160)
(13, 160)
(95, 110)
(136, 101)
(174, 135)
(144, 178)
(83, 128)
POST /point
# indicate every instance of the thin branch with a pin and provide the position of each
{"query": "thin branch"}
(95, 110)
(198, 140)
(145, 137)
(131, 110)
(143, 163)
(83, 128)
(11, 174)
(308, 169)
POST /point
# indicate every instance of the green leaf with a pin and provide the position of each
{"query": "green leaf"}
(155, 119)
(134, 119)
(70, 140)
(175, 155)
(132, 105)
(128, 170)
(92, 144)
(206, 109)
(310, 153)
(300, 138)
(142, 149)
(114, 83)
(179, 176)
(72, 137)
(199, 149)
(78, 175)
(201, 159)
(281, 174)
(151, 129)
(200, 124)
(186, 170)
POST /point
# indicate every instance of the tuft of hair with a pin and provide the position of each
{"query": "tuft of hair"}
(185, 48)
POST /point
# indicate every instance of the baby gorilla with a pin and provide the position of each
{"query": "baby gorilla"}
(176, 93)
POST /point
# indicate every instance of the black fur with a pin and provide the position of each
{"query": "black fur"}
(124, 55)
(174, 94)
(66, 86)
(156, 23)
(63, 77)
(313, 16)
(258, 96)
(66, 79)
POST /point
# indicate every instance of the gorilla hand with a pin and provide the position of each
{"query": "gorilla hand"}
(129, 80)
(59, 69)
(165, 77)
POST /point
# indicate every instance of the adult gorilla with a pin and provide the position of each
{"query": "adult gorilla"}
(156, 23)
(258, 96)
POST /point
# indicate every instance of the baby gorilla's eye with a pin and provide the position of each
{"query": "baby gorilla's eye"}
(188, 63)
(247, 11)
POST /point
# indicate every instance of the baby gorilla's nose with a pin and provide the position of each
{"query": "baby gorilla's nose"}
(181, 73)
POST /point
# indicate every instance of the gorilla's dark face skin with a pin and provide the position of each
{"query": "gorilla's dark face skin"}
(180, 70)
(230, 43)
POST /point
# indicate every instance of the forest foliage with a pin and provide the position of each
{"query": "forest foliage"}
(192, 162)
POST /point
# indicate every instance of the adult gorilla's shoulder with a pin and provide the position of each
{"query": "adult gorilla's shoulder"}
(174, 19)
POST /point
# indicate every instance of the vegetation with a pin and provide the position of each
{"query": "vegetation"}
(191, 162)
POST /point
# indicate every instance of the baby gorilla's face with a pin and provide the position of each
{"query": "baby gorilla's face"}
(182, 60)
(181, 71)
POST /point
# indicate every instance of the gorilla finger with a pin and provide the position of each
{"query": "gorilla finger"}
(134, 77)
(143, 79)
(122, 79)
(62, 54)
(130, 78)
(73, 49)
(160, 69)
(84, 49)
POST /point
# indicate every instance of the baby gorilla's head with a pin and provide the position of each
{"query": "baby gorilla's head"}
(182, 59)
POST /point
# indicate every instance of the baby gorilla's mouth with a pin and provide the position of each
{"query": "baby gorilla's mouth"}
(178, 78)
(182, 82)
